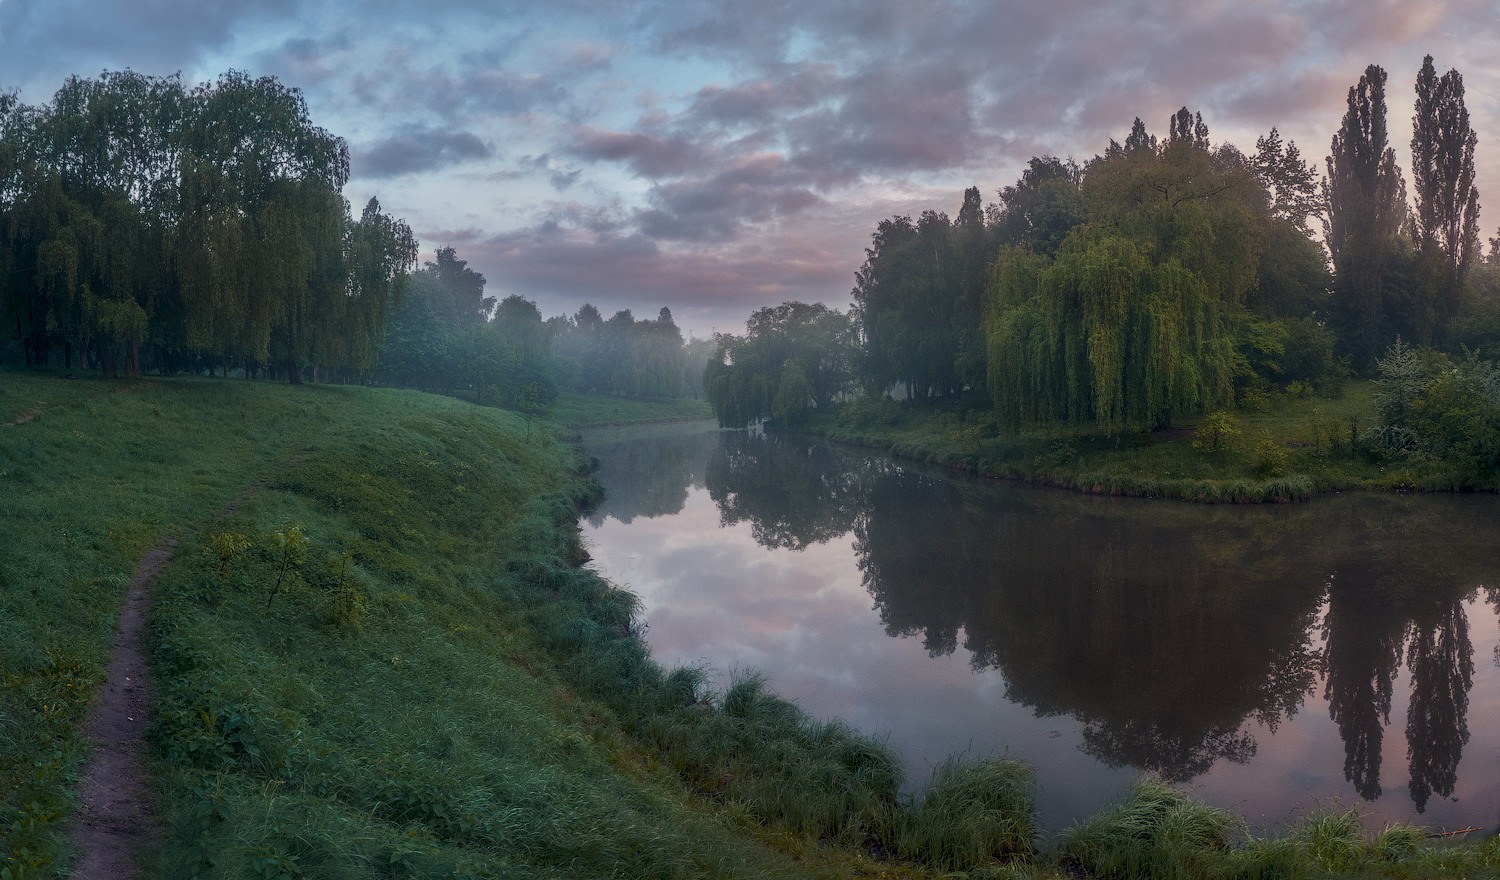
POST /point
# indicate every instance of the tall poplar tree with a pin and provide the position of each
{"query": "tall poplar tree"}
(1366, 201)
(1447, 202)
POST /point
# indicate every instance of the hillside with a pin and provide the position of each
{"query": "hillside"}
(353, 673)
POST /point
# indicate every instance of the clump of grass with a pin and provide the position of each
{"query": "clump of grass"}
(1157, 833)
(973, 815)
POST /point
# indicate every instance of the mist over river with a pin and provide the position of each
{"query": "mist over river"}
(1268, 659)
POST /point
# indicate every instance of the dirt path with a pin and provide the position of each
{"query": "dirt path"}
(114, 821)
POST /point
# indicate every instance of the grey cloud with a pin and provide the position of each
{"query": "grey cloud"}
(749, 191)
(416, 150)
(647, 155)
(560, 178)
(401, 84)
(562, 268)
(794, 88)
(43, 41)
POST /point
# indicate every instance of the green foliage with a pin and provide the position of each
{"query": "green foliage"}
(1431, 409)
(223, 549)
(1102, 335)
(289, 548)
(793, 398)
(1366, 203)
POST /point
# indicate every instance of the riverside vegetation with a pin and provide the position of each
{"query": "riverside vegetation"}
(1170, 290)
(388, 662)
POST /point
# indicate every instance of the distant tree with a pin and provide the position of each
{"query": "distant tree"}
(1139, 140)
(1291, 183)
(793, 358)
(907, 301)
(465, 302)
(1447, 202)
(1188, 128)
(1366, 201)
(974, 247)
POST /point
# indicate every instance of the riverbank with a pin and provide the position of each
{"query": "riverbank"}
(1295, 448)
(374, 654)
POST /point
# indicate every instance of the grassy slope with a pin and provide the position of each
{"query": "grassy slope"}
(389, 711)
(1312, 436)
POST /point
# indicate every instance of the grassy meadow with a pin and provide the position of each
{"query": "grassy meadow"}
(386, 662)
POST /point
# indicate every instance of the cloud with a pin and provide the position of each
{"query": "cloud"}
(646, 155)
(561, 266)
(750, 190)
(418, 150)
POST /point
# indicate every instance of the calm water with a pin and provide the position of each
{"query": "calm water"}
(1267, 658)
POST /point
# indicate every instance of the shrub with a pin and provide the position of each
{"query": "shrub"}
(1216, 431)
(1269, 457)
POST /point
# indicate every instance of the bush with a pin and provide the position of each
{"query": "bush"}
(1216, 431)
(1269, 457)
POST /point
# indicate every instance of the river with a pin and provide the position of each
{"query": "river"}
(1267, 659)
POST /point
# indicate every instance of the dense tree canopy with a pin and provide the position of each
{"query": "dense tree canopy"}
(1170, 276)
(194, 227)
(1131, 320)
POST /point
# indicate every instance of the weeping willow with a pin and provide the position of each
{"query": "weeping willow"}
(1104, 334)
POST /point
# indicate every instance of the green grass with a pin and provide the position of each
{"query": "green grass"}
(1296, 448)
(390, 710)
(1159, 834)
(580, 411)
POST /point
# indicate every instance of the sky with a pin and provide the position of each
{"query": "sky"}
(717, 156)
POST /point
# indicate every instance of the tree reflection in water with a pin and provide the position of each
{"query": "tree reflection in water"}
(1166, 629)
(1109, 619)
(1441, 659)
(1362, 645)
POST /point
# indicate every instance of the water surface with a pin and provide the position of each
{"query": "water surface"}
(1267, 658)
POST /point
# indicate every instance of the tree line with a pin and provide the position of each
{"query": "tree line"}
(446, 335)
(1165, 278)
(149, 225)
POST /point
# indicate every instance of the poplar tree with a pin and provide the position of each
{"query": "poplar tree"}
(1366, 201)
(1447, 202)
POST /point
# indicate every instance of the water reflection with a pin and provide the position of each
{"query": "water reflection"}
(1441, 659)
(1179, 638)
(1110, 620)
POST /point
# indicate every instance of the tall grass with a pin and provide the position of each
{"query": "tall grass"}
(1159, 833)
(1156, 833)
(973, 815)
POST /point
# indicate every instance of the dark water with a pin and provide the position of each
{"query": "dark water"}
(1268, 658)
